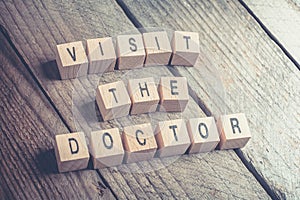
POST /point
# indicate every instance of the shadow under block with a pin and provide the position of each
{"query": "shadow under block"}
(71, 60)
(172, 138)
(143, 94)
(185, 46)
(234, 131)
(71, 152)
(113, 100)
(106, 148)
(158, 48)
(203, 134)
(101, 55)
(139, 143)
(130, 51)
(173, 93)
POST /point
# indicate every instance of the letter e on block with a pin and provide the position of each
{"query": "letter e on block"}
(234, 131)
(71, 60)
(203, 134)
(139, 143)
(71, 152)
(113, 100)
(172, 138)
(185, 47)
(106, 148)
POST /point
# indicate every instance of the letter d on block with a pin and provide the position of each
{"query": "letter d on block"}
(71, 152)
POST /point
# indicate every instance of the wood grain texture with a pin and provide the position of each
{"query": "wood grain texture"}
(49, 23)
(28, 125)
(240, 70)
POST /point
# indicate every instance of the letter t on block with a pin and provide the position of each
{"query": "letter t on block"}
(71, 60)
(234, 131)
(71, 152)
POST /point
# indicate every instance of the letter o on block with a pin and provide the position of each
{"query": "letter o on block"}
(71, 152)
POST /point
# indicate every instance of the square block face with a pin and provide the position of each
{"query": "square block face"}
(173, 93)
(139, 143)
(71, 152)
(106, 148)
(203, 133)
(143, 94)
(71, 60)
(234, 131)
(185, 47)
(131, 51)
(172, 138)
(113, 100)
(158, 48)
(101, 55)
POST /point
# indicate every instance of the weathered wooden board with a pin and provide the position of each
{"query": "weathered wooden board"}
(240, 70)
(36, 27)
(28, 124)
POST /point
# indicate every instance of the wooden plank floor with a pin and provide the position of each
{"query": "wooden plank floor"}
(257, 77)
(35, 27)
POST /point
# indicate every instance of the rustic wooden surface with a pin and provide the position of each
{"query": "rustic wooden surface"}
(257, 78)
(35, 27)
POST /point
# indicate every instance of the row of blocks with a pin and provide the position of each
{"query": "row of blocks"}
(132, 51)
(139, 142)
(142, 96)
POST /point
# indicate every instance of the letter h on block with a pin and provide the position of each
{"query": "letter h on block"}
(71, 152)
(113, 100)
(234, 131)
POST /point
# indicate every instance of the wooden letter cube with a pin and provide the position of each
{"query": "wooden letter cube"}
(143, 94)
(139, 143)
(101, 54)
(158, 48)
(71, 152)
(113, 100)
(234, 131)
(185, 47)
(203, 133)
(71, 60)
(131, 51)
(172, 138)
(106, 148)
(173, 93)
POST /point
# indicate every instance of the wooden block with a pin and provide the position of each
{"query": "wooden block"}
(158, 48)
(131, 52)
(173, 93)
(185, 47)
(143, 94)
(172, 138)
(106, 148)
(203, 134)
(234, 131)
(71, 152)
(139, 143)
(113, 100)
(101, 55)
(71, 60)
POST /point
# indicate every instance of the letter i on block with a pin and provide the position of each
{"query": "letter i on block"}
(234, 131)
(101, 54)
(71, 152)
(113, 100)
(173, 93)
(106, 148)
(139, 143)
(172, 138)
(71, 60)
(203, 134)
(158, 48)
(131, 51)
(185, 47)
(143, 94)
